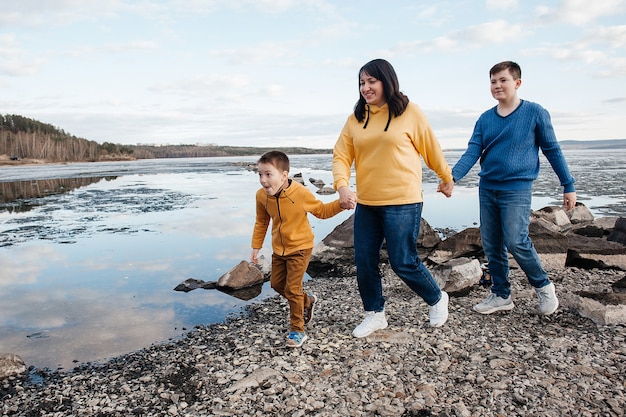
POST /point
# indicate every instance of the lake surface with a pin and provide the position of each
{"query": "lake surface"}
(90, 253)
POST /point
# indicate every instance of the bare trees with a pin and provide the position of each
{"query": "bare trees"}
(21, 137)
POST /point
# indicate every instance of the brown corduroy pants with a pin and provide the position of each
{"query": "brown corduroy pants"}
(286, 279)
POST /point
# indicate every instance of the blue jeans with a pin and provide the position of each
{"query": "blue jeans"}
(399, 226)
(504, 220)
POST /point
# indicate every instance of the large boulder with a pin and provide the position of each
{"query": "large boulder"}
(466, 243)
(335, 253)
(243, 275)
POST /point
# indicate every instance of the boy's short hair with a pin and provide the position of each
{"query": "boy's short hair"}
(277, 158)
(513, 67)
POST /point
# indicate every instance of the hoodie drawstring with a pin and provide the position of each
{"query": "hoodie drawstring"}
(367, 118)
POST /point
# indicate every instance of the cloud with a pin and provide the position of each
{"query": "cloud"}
(489, 33)
(14, 61)
(501, 4)
(579, 12)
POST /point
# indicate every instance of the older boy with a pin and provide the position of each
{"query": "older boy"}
(507, 139)
(287, 203)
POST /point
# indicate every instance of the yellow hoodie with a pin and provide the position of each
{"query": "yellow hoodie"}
(387, 163)
(291, 230)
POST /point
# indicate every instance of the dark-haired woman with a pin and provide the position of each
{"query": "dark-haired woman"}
(386, 137)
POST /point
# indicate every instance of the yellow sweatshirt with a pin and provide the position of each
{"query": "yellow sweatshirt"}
(291, 230)
(387, 164)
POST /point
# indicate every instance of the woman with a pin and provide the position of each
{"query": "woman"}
(385, 138)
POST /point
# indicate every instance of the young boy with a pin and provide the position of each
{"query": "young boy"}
(287, 203)
(507, 139)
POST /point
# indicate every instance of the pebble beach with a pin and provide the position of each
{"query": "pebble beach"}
(517, 363)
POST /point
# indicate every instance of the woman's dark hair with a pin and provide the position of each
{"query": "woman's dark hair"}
(383, 71)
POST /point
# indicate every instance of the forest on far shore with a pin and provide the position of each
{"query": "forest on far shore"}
(29, 140)
(22, 138)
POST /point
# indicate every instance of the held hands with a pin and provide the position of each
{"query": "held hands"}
(446, 188)
(569, 201)
(347, 198)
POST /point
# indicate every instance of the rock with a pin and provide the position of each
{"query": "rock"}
(11, 365)
(335, 252)
(243, 275)
(601, 308)
(619, 285)
(580, 214)
(298, 178)
(458, 276)
(317, 183)
(555, 215)
(601, 252)
(427, 238)
(466, 243)
(326, 191)
(190, 284)
(546, 236)
(619, 232)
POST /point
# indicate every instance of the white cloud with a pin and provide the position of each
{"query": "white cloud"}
(501, 4)
(580, 12)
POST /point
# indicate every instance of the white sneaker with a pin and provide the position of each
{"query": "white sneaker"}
(439, 312)
(373, 321)
(548, 303)
(494, 303)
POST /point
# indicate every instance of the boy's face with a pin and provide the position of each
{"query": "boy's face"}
(271, 178)
(503, 86)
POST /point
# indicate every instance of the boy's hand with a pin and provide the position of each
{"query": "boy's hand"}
(347, 198)
(254, 257)
(569, 201)
(445, 188)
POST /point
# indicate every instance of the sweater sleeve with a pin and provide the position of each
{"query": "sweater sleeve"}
(318, 208)
(430, 150)
(261, 223)
(550, 147)
(343, 157)
(470, 156)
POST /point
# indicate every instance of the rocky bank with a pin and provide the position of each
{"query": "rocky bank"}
(508, 364)
(516, 363)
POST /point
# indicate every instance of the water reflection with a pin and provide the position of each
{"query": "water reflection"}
(20, 196)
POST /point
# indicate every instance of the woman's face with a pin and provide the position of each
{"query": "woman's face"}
(372, 90)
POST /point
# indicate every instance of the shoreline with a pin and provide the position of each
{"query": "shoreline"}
(516, 364)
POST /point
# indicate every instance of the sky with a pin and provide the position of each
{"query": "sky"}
(285, 72)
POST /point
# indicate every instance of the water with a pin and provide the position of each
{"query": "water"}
(90, 253)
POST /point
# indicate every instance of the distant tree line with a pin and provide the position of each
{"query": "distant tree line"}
(24, 138)
(194, 151)
(21, 137)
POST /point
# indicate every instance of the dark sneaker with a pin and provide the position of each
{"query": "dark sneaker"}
(548, 303)
(494, 303)
(296, 339)
(308, 312)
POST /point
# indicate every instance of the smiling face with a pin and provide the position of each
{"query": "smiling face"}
(372, 90)
(504, 86)
(271, 178)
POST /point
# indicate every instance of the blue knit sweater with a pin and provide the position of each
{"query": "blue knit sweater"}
(508, 149)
